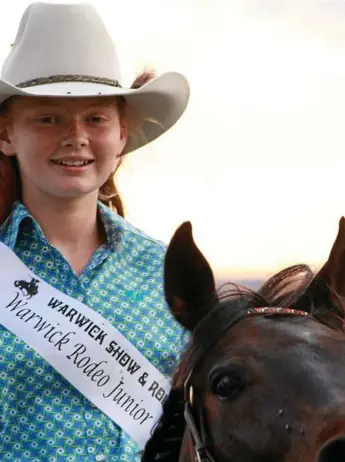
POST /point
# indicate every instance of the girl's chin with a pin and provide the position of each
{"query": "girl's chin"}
(74, 191)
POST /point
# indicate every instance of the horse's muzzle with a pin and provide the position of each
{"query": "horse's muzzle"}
(333, 451)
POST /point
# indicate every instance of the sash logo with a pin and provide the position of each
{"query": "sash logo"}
(28, 289)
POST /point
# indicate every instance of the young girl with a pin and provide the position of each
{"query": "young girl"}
(86, 342)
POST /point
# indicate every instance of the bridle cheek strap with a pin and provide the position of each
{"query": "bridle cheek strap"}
(200, 446)
(198, 432)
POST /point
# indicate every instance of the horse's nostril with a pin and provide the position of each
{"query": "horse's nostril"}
(333, 451)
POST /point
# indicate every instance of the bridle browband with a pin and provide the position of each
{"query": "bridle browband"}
(202, 334)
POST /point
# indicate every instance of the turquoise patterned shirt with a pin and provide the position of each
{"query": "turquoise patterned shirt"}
(42, 416)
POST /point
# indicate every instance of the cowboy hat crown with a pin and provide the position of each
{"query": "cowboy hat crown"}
(65, 50)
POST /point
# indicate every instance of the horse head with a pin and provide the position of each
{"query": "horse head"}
(263, 377)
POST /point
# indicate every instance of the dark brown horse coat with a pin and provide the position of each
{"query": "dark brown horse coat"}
(266, 388)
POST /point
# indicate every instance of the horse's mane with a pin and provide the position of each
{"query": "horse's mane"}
(294, 287)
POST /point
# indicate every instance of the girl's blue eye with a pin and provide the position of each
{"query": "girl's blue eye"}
(96, 119)
(48, 120)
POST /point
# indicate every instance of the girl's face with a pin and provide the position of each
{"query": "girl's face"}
(66, 147)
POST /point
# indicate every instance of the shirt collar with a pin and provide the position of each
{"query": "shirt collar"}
(9, 230)
(112, 225)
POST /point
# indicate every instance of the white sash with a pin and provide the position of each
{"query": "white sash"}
(83, 347)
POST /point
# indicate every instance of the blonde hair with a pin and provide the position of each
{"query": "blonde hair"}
(10, 188)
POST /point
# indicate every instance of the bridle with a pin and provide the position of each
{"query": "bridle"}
(203, 334)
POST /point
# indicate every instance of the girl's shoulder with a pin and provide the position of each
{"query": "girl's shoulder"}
(119, 230)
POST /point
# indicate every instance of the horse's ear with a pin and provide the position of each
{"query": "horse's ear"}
(188, 279)
(333, 271)
(327, 289)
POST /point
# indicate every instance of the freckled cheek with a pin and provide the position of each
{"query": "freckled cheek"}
(33, 142)
(107, 146)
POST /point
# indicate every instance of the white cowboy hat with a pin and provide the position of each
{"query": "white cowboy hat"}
(66, 50)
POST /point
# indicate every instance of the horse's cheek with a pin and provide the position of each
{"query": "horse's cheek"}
(219, 417)
(230, 432)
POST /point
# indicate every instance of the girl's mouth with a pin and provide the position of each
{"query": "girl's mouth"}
(73, 163)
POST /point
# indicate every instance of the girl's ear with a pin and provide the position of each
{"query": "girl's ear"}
(5, 141)
(123, 133)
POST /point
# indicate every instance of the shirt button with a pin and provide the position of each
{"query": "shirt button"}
(100, 457)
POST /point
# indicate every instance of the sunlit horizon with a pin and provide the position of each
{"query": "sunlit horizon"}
(256, 162)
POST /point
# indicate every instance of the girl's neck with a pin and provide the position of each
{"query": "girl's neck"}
(70, 225)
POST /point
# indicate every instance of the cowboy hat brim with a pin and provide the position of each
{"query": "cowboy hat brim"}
(159, 103)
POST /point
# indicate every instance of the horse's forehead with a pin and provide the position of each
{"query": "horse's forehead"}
(274, 332)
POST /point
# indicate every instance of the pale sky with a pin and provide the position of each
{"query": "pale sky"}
(257, 161)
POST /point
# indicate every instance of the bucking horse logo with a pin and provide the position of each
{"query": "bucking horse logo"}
(28, 289)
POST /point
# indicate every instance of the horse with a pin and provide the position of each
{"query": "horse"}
(262, 378)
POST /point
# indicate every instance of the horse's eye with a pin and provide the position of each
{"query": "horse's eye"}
(226, 387)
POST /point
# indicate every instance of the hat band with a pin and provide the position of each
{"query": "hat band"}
(68, 78)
